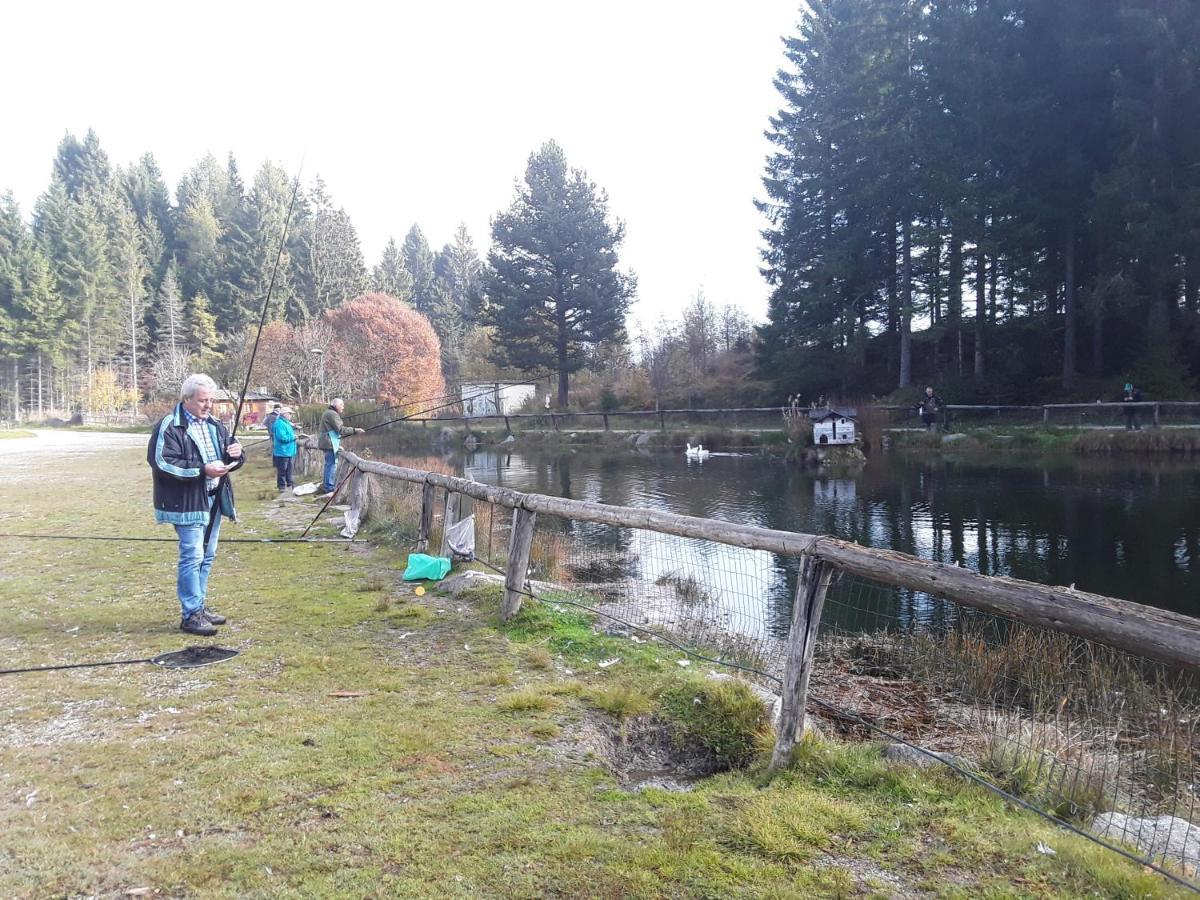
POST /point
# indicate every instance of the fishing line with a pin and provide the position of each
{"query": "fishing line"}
(371, 412)
(423, 412)
(188, 658)
(419, 413)
(175, 540)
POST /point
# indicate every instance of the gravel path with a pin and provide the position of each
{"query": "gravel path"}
(21, 458)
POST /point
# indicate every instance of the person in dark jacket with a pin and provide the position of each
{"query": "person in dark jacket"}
(329, 438)
(191, 455)
(269, 424)
(1130, 394)
(284, 449)
(931, 406)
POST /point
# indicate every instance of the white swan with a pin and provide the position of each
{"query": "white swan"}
(697, 452)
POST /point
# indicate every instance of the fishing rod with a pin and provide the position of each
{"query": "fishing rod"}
(422, 412)
(371, 412)
(175, 540)
(262, 319)
(350, 470)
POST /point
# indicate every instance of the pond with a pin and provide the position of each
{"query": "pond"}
(1125, 528)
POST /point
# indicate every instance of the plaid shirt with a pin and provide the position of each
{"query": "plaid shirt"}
(199, 432)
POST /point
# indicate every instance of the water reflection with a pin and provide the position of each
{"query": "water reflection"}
(1126, 528)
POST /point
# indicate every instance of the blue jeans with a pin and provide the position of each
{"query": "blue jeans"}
(195, 562)
(283, 471)
(330, 465)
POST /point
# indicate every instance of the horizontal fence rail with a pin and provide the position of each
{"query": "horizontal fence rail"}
(1104, 414)
(1158, 634)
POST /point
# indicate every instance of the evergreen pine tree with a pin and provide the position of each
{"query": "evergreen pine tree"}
(554, 289)
(390, 275)
(418, 259)
(202, 335)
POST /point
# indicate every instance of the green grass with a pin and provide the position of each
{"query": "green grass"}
(12, 433)
(458, 770)
(1053, 439)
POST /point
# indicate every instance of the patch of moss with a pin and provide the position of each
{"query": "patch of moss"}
(724, 716)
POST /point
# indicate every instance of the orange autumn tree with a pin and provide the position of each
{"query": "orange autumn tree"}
(384, 348)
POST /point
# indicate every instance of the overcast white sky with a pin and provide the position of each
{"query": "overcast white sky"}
(426, 112)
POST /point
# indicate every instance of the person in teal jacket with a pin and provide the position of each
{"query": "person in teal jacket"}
(284, 449)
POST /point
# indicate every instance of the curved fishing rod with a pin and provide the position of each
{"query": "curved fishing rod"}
(419, 413)
(371, 412)
(262, 319)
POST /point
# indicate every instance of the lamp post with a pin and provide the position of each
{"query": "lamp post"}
(321, 356)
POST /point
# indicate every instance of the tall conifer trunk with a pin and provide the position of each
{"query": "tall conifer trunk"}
(956, 299)
(1068, 370)
(893, 310)
(906, 305)
(980, 298)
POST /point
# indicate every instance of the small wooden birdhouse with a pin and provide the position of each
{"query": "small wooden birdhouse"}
(833, 426)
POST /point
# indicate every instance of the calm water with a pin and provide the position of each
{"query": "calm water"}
(1126, 529)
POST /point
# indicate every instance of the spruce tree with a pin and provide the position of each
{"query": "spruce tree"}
(390, 275)
(335, 262)
(553, 285)
(130, 270)
(418, 260)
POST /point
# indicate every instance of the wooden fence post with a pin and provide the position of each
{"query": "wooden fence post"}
(1157, 424)
(606, 421)
(815, 576)
(1045, 415)
(662, 421)
(426, 526)
(519, 546)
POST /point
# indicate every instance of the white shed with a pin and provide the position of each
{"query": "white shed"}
(833, 426)
(494, 398)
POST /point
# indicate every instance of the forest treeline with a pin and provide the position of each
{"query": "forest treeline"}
(999, 195)
(118, 288)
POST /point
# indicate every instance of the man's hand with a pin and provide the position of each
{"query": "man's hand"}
(234, 450)
(360, 431)
(215, 469)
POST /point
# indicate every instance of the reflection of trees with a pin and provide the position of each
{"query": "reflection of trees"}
(1123, 528)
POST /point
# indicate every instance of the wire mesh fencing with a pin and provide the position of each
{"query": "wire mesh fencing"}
(712, 600)
(1093, 736)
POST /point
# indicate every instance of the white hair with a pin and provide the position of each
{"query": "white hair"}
(336, 400)
(193, 383)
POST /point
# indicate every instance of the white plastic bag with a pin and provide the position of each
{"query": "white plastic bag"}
(461, 538)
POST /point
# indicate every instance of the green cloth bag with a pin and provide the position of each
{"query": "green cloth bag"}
(422, 567)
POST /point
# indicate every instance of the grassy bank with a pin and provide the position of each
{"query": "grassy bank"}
(1033, 439)
(369, 742)
(12, 433)
(416, 437)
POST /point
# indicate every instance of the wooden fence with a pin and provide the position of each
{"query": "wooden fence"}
(663, 418)
(1141, 630)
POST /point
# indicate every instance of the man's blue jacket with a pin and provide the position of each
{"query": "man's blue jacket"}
(181, 495)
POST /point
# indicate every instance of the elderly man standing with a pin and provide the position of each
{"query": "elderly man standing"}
(329, 437)
(191, 455)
